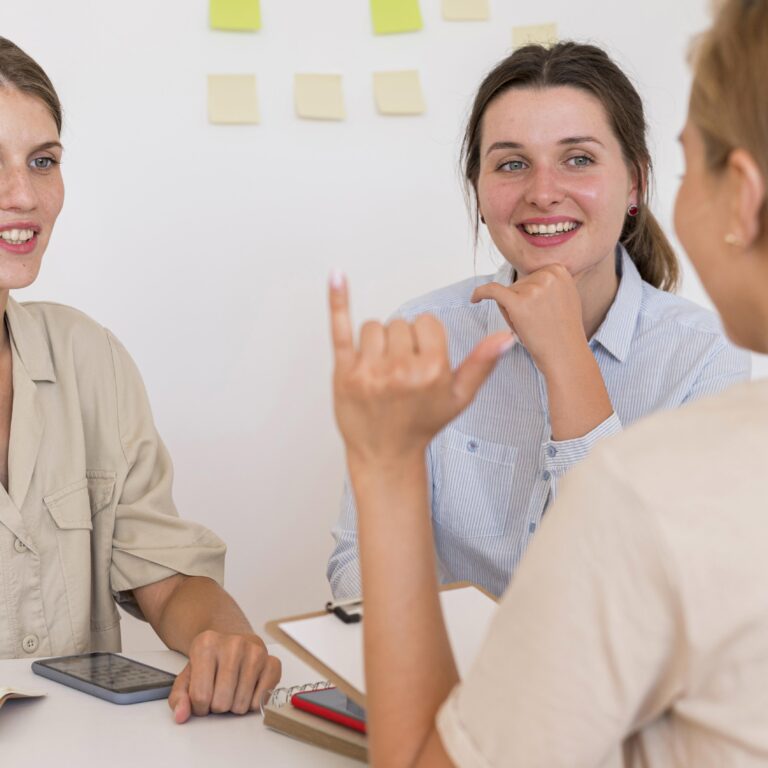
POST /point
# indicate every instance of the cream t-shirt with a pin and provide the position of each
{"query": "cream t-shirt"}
(635, 632)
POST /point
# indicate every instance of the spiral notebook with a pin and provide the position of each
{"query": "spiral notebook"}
(281, 716)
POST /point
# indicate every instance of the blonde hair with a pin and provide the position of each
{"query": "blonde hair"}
(729, 95)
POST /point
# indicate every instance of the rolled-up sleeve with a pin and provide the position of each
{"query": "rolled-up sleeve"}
(562, 455)
(150, 541)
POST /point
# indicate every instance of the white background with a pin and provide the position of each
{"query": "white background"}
(206, 248)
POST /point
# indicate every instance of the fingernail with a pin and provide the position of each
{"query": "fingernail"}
(507, 344)
(337, 279)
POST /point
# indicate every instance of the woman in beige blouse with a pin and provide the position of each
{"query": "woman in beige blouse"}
(86, 513)
(635, 631)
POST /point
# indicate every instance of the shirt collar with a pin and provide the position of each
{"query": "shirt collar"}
(30, 342)
(496, 321)
(618, 327)
(617, 330)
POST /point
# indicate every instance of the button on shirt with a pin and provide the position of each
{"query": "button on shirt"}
(88, 514)
(495, 468)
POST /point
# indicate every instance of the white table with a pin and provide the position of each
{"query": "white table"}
(70, 728)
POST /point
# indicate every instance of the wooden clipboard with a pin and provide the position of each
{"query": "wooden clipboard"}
(274, 630)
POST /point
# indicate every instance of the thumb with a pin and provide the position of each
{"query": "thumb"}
(179, 700)
(478, 364)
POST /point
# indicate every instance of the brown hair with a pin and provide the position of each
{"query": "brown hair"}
(22, 72)
(729, 99)
(590, 69)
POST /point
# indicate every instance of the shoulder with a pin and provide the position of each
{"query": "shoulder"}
(454, 297)
(698, 451)
(662, 308)
(73, 341)
(60, 322)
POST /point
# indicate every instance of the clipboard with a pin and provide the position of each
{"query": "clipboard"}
(276, 631)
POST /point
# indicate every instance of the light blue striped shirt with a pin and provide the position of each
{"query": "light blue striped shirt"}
(495, 468)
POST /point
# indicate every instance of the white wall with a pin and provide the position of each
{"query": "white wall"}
(206, 248)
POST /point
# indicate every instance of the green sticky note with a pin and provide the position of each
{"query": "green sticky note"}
(237, 15)
(395, 16)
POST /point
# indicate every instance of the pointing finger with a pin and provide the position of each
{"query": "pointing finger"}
(341, 324)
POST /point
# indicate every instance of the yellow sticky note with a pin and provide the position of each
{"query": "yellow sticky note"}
(232, 99)
(319, 97)
(395, 16)
(465, 10)
(398, 93)
(237, 15)
(542, 34)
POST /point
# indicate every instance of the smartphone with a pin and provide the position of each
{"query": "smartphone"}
(333, 705)
(108, 676)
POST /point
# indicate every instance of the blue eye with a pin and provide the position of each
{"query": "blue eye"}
(581, 161)
(512, 165)
(43, 163)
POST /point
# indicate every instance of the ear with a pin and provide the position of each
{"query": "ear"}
(746, 186)
(637, 184)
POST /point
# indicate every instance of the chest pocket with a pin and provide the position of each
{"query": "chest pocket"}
(473, 484)
(70, 507)
(70, 510)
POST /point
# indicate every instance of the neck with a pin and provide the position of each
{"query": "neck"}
(597, 288)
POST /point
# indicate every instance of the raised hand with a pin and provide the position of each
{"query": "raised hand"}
(395, 389)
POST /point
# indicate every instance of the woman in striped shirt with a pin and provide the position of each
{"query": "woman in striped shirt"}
(555, 157)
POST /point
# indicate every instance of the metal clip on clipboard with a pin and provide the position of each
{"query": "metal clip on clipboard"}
(349, 611)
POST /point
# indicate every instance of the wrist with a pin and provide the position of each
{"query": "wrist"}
(363, 464)
(567, 360)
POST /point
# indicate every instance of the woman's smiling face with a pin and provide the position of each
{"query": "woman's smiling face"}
(31, 187)
(553, 186)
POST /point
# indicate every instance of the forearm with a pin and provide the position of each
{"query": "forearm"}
(406, 645)
(196, 604)
(578, 399)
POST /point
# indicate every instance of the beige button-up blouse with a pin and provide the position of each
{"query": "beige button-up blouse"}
(88, 514)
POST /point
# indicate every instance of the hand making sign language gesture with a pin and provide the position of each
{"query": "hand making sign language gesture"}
(395, 389)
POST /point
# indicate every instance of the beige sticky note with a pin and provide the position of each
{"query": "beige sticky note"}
(543, 34)
(465, 10)
(398, 93)
(319, 97)
(232, 99)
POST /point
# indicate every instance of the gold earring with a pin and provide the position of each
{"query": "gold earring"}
(731, 239)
